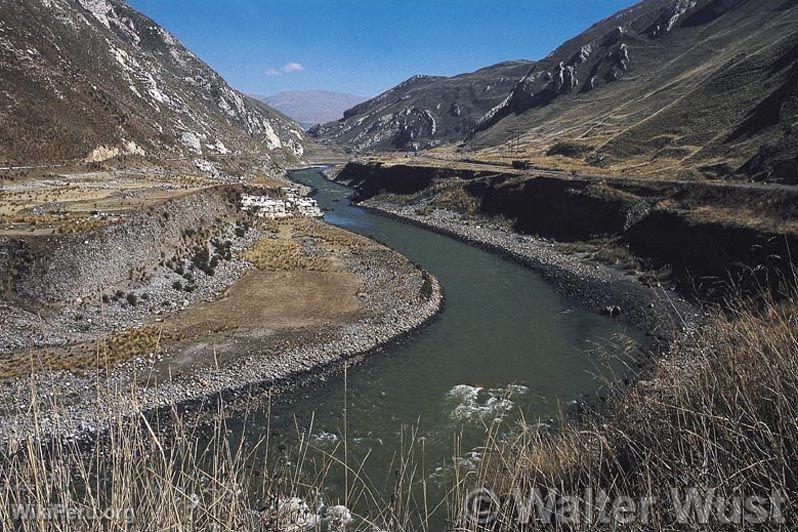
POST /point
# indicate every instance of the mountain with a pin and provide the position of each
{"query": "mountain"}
(92, 79)
(312, 107)
(424, 111)
(686, 87)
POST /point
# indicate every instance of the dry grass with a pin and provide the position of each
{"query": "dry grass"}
(333, 235)
(744, 217)
(604, 251)
(142, 476)
(719, 413)
(107, 352)
(168, 471)
(286, 252)
(277, 254)
(456, 198)
(64, 203)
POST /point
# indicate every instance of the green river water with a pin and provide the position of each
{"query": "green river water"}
(506, 347)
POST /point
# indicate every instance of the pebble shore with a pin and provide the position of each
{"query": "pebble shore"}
(88, 403)
(94, 401)
(660, 312)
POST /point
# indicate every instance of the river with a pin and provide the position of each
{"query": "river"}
(506, 347)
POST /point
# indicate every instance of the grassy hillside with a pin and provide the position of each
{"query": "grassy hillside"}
(693, 89)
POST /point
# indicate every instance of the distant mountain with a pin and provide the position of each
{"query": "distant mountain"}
(312, 107)
(424, 111)
(92, 79)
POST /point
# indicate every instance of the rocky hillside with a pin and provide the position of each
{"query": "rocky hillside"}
(687, 86)
(424, 111)
(312, 107)
(93, 79)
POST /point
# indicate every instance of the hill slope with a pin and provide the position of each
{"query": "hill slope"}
(424, 111)
(312, 107)
(688, 87)
(90, 79)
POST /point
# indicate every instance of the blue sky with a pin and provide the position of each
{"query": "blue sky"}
(366, 46)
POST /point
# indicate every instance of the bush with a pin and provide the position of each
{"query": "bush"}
(202, 260)
(132, 299)
(568, 149)
(223, 249)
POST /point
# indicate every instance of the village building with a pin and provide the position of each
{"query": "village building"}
(291, 205)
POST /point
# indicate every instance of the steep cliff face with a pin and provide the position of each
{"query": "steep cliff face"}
(702, 86)
(92, 79)
(424, 111)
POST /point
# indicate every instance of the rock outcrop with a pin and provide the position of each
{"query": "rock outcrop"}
(664, 84)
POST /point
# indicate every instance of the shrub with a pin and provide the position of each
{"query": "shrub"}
(568, 149)
(202, 260)
(223, 249)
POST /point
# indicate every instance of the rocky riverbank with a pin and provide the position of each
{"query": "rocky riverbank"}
(659, 311)
(209, 350)
(709, 235)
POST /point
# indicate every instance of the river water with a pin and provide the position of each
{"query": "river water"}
(506, 347)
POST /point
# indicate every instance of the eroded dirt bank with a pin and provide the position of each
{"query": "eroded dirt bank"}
(704, 233)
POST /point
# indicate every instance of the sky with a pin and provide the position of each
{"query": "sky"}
(365, 47)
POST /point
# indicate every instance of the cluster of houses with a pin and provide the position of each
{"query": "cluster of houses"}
(292, 204)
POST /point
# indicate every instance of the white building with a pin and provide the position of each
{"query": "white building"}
(264, 206)
(291, 205)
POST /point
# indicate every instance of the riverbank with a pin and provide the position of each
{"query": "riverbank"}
(289, 304)
(659, 311)
(708, 235)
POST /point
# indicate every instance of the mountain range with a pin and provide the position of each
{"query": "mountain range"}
(94, 79)
(684, 88)
(312, 107)
(424, 111)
